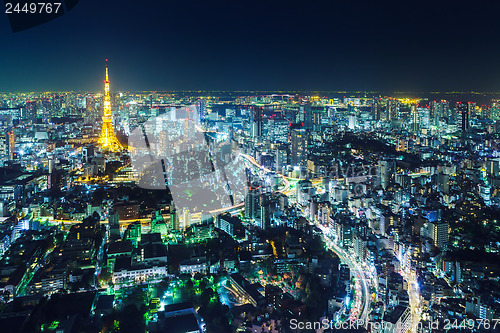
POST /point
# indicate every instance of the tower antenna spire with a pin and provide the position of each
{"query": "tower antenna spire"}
(107, 80)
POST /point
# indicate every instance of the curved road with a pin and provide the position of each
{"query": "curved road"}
(361, 309)
(362, 302)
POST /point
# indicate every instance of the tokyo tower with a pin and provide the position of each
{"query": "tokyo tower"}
(108, 140)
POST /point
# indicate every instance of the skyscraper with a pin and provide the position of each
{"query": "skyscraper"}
(108, 140)
(185, 218)
(391, 110)
(11, 144)
(257, 119)
(416, 119)
(201, 105)
(308, 117)
(439, 233)
(298, 146)
(91, 113)
(463, 111)
(471, 106)
(4, 148)
(265, 211)
(386, 172)
(438, 110)
(252, 202)
(280, 127)
(465, 120)
(28, 112)
(281, 159)
(375, 109)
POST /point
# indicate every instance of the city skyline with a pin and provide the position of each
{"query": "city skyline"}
(266, 166)
(373, 212)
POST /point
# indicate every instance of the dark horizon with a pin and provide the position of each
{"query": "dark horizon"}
(293, 46)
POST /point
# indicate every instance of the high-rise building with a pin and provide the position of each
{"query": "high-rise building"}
(201, 105)
(4, 148)
(308, 116)
(375, 109)
(438, 109)
(386, 171)
(494, 113)
(114, 225)
(108, 140)
(265, 211)
(439, 233)
(91, 112)
(303, 191)
(281, 128)
(298, 147)
(416, 119)
(28, 112)
(392, 111)
(353, 121)
(471, 107)
(174, 219)
(257, 121)
(465, 120)
(281, 159)
(87, 153)
(185, 219)
(252, 202)
(319, 118)
(11, 144)
(443, 182)
(462, 111)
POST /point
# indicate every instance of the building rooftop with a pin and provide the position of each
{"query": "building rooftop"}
(181, 324)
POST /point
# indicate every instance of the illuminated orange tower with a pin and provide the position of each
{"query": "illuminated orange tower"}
(108, 140)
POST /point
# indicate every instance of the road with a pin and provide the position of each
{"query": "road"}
(362, 303)
(414, 297)
(361, 309)
(285, 178)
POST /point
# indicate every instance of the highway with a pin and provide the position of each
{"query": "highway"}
(414, 297)
(285, 179)
(361, 309)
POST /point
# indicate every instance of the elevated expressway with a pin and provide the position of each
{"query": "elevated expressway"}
(361, 309)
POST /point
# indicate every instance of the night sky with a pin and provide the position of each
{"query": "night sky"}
(261, 45)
